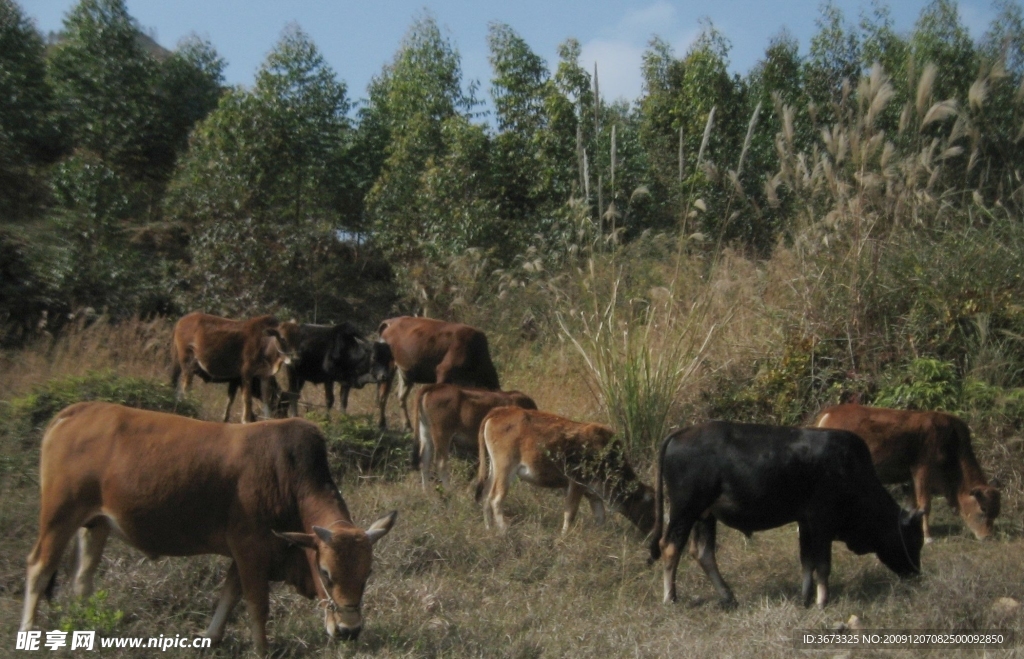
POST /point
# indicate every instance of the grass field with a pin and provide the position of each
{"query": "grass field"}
(445, 587)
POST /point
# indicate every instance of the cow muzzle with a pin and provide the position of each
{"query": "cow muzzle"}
(343, 622)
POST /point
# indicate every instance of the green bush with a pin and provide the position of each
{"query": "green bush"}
(92, 613)
(926, 384)
(355, 442)
(785, 388)
(26, 417)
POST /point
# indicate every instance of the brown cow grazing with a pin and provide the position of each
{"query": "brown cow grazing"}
(426, 351)
(232, 351)
(931, 448)
(447, 413)
(260, 494)
(550, 451)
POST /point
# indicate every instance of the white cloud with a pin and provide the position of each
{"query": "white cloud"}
(618, 67)
(619, 51)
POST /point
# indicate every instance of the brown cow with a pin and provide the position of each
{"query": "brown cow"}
(550, 451)
(260, 494)
(444, 413)
(426, 351)
(931, 448)
(233, 351)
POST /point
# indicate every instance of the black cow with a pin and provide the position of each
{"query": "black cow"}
(754, 477)
(325, 354)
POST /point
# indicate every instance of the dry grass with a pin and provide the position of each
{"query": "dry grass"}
(443, 586)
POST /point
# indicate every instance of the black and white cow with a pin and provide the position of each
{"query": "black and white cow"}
(755, 477)
(325, 354)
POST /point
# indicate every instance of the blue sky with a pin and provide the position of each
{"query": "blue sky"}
(358, 38)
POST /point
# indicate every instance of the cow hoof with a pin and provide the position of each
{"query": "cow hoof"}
(929, 541)
(729, 604)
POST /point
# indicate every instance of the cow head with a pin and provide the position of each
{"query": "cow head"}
(638, 507)
(900, 547)
(979, 508)
(348, 352)
(282, 345)
(381, 361)
(343, 561)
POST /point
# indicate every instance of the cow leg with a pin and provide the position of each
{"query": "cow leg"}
(256, 590)
(248, 415)
(404, 389)
(343, 390)
(329, 395)
(230, 593)
(269, 400)
(671, 545)
(383, 391)
(573, 495)
(596, 506)
(500, 474)
(295, 384)
(923, 497)
(42, 566)
(816, 564)
(232, 391)
(426, 449)
(91, 541)
(703, 547)
(670, 555)
(439, 445)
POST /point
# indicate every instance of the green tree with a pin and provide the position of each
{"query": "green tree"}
(188, 85)
(402, 129)
(265, 183)
(518, 87)
(833, 65)
(103, 82)
(941, 39)
(28, 139)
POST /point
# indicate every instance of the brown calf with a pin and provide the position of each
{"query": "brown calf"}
(931, 448)
(260, 494)
(550, 451)
(446, 413)
(232, 351)
(425, 351)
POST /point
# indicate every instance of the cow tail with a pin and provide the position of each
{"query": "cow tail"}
(482, 469)
(416, 437)
(659, 504)
(175, 365)
(51, 586)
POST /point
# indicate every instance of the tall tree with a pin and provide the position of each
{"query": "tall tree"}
(28, 138)
(265, 183)
(940, 38)
(833, 65)
(401, 127)
(103, 82)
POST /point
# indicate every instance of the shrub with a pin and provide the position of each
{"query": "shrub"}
(926, 384)
(785, 388)
(26, 417)
(355, 442)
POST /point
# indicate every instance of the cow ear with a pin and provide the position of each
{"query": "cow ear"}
(380, 528)
(324, 534)
(298, 539)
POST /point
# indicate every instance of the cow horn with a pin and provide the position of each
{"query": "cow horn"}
(297, 539)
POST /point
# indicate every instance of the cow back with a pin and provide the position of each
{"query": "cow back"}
(175, 485)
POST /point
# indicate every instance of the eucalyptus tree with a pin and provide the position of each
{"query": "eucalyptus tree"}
(265, 187)
(28, 139)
